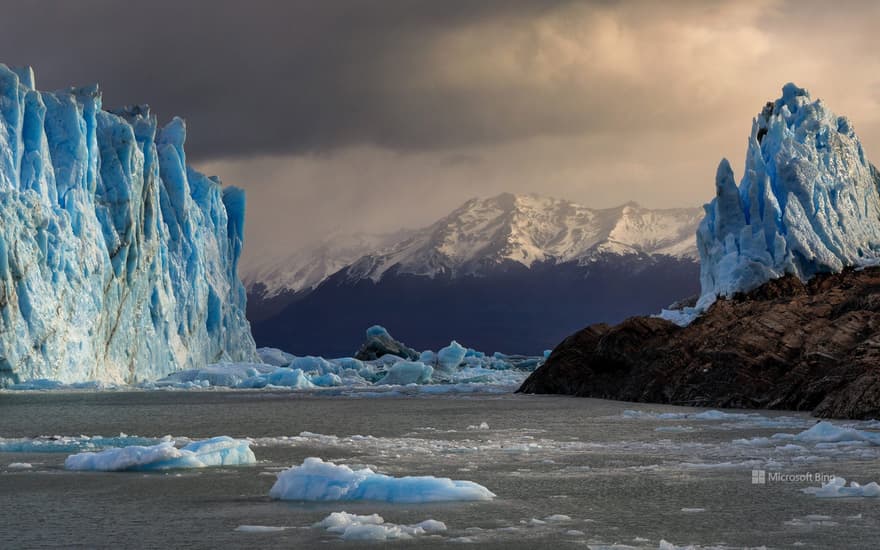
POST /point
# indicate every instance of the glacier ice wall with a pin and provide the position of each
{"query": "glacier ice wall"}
(118, 262)
(807, 203)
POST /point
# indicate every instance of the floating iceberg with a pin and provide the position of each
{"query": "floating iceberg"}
(407, 372)
(275, 356)
(317, 480)
(374, 528)
(219, 374)
(826, 432)
(808, 202)
(117, 261)
(454, 368)
(67, 444)
(451, 356)
(836, 488)
(217, 451)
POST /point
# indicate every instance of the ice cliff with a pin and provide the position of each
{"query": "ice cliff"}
(118, 262)
(807, 203)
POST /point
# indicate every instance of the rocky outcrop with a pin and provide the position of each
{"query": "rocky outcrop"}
(787, 344)
(380, 342)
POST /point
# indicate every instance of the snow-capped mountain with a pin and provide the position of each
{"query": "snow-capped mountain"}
(526, 229)
(483, 233)
(512, 272)
(308, 267)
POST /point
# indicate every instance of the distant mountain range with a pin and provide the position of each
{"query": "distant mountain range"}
(514, 273)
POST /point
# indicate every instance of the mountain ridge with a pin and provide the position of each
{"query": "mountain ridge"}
(482, 233)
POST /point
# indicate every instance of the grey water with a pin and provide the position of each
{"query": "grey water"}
(622, 479)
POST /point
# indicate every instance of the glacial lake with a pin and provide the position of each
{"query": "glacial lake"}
(567, 472)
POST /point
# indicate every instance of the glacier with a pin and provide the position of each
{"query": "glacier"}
(807, 204)
(118, 262)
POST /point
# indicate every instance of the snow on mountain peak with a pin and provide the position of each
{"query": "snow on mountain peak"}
(807, 203)
(483, 232)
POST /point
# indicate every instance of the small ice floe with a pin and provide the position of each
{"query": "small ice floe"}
(674, 429)
(72, 444)
(557, 518)
(693, 510)
(217, 451)
(20, 466)
(719, 419)
(826, 432)
(703, 415)
(812, 520)
(480, 426)
(837, 488)
(259, 529)
(374, 528)
(316, 480)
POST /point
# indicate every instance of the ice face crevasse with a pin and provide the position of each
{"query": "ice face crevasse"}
(117, 261)
(808, 202)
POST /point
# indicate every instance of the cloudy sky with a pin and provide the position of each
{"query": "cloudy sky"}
(359, 115)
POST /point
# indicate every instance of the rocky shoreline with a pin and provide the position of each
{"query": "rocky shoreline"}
(790, 345)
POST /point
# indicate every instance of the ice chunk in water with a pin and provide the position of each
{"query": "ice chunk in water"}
(837, 488)
(316, 480)
(451, 356)
(374, 528)
(407, 372)
(217, 451)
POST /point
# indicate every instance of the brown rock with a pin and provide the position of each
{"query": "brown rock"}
(785, 345)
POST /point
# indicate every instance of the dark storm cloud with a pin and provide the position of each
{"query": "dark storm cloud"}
(261, 76)
(347, 115)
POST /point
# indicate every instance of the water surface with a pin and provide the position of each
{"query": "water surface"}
(626, 478)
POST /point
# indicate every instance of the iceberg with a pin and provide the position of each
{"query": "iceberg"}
(219, 374)
(826, 432)
(118, 262)
(67, 444)
(407, 372)
(837, 488)
(275, 357)
(374, 528)
(217, 451)
(316, 480)
(808, 202)
(451, 356)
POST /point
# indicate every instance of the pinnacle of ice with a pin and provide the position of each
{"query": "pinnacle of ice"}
(807, 203)
(118, 262)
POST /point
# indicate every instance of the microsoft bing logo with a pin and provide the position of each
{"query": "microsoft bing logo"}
(759, 477)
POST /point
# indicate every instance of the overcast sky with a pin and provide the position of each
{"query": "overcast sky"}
(372, 115)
